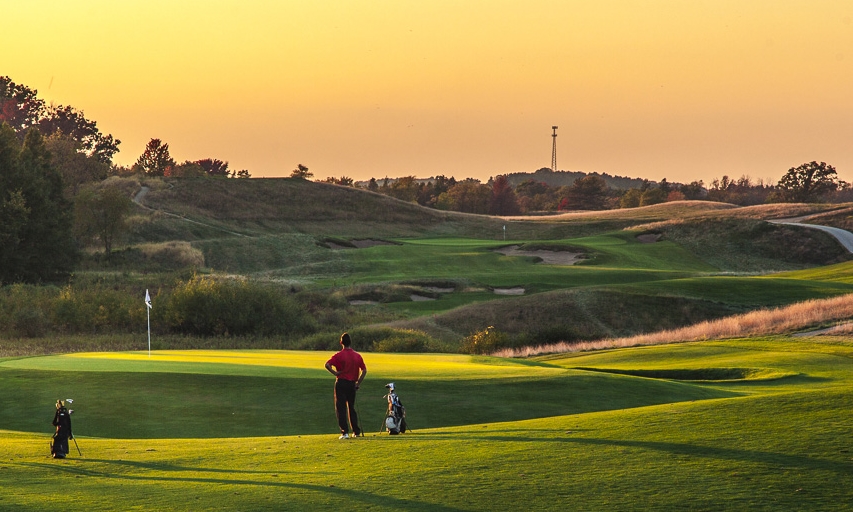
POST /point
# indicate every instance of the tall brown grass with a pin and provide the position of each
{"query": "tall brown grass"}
(756, 323)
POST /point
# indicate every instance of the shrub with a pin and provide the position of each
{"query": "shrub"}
(205, 306)
(387, 339)
(486, 341)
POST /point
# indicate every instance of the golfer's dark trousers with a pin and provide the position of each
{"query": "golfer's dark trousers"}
(345, 403)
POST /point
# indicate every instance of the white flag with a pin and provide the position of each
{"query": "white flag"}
(147, 299)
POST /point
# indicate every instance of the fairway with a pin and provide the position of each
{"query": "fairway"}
(760, 424)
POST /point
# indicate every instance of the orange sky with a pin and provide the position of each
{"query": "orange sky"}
(676, 89)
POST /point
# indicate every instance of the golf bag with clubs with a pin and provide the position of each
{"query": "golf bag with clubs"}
(62, 422)
(395, 416)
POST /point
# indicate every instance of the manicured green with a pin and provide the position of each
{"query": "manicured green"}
(775, 437)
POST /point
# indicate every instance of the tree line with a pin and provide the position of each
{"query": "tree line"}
(55, 192)
(536, 192)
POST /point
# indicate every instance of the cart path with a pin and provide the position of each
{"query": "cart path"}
(842, 235)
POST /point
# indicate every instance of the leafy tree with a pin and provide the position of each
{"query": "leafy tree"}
(643, 196)
(214, 167)
(188, 169)
(631, 198)
(21, 108)
(36, 218)
(741, 191)
(242, 173)
(693, 190)
(537, 195)
(73, 164)
(372, 185)
(806, 183)
(343, 181)
(653, 196)
(503, 200)
(404, 189)
(468, 196)
(587, 193)
(155, 160)
(102, 214)
(301, 172)
(74, 124)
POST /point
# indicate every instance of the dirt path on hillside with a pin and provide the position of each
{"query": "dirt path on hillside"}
(144, 190)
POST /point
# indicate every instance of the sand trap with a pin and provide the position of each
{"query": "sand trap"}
(419, 298)
(363, 303)
(436, 289)
(509, 291)
(547, 257)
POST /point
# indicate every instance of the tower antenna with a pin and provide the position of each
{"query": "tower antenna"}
(554, 150)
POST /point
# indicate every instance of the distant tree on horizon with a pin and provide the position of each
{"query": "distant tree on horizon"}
(155, 160)
(807, 183)
(301, 172)
(587, 193)
(503, 200)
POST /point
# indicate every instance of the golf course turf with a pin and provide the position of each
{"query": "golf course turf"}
(754, 424)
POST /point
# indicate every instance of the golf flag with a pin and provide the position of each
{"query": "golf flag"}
(147, 299)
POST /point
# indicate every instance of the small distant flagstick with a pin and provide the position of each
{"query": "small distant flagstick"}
(148, 308)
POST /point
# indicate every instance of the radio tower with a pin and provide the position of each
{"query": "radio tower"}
(554, 150)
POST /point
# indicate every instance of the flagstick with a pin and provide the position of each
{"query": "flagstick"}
(148, 308)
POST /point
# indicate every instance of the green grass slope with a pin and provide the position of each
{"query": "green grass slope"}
(775, 439)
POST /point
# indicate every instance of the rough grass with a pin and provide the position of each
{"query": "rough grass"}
(763, 322)
(748, 245)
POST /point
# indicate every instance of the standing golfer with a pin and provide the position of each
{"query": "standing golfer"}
(62, 422)
(348, 366)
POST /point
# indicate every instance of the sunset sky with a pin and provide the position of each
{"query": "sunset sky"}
(678, 89)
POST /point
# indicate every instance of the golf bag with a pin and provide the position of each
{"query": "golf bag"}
(395, 416)
(62, 422)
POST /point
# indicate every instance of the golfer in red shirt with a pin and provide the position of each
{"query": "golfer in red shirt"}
(348, 366)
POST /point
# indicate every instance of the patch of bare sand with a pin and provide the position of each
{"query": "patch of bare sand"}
(509, 291)
(547, 257)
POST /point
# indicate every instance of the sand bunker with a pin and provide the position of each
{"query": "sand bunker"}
(547, 257)
(436, 289)
(419, 298)
(509, 291)
(363, 302)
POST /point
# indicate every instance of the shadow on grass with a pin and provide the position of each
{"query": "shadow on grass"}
(350, 496)
(709, 452)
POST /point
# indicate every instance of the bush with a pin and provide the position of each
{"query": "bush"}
(206, 306)
(387, 339)
(486, 341)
